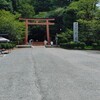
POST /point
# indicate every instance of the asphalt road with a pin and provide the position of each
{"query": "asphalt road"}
(50, 74)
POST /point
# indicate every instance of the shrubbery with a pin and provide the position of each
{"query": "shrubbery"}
(7, 45)
(80, 45)
(96, 46)
(73, 45)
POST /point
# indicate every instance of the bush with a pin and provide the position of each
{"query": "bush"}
(82, 45)
(98, 42)
(76, 45)
(7, 45)
(96, 46)
(63, 45)
(73, 45)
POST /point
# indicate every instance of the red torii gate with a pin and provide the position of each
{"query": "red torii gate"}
(37, 21)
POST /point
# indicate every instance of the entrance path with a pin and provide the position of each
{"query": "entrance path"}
(40, 73)
(17, 76)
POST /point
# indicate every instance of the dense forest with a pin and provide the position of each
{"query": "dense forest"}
(65, 12)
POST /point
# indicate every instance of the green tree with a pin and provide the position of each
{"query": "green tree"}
(17, 3)
(10, 26)
(58, 15)
(87, 9)
(86, 13)
(88, 24)
(60, 3)
(26, 10)
(65, 37)
(7, 5)
(42, 5)
(89, 31)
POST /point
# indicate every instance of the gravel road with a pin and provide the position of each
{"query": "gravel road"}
(50, 74)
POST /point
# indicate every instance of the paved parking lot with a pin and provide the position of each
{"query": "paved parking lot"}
(41, 73)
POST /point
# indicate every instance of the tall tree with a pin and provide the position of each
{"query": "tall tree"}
(6, 4)
(87, 9)
(10, 26)
(86, 18)
(26, 10)
(42, 5)
(60, 3)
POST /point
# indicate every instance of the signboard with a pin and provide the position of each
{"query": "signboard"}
(75, 31)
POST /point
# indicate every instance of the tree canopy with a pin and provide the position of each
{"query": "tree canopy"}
(65, 13)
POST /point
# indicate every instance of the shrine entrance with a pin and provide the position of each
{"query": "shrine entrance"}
(38, 21)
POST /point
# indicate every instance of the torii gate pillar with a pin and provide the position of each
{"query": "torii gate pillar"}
(26, 33)
(48, 33)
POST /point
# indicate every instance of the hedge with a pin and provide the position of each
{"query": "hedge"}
(7, 45)
(73, 45)
(96, 46)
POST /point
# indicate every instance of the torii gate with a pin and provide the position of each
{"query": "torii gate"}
(37, 21)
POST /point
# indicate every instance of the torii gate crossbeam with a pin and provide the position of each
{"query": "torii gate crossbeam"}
(37, 21)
